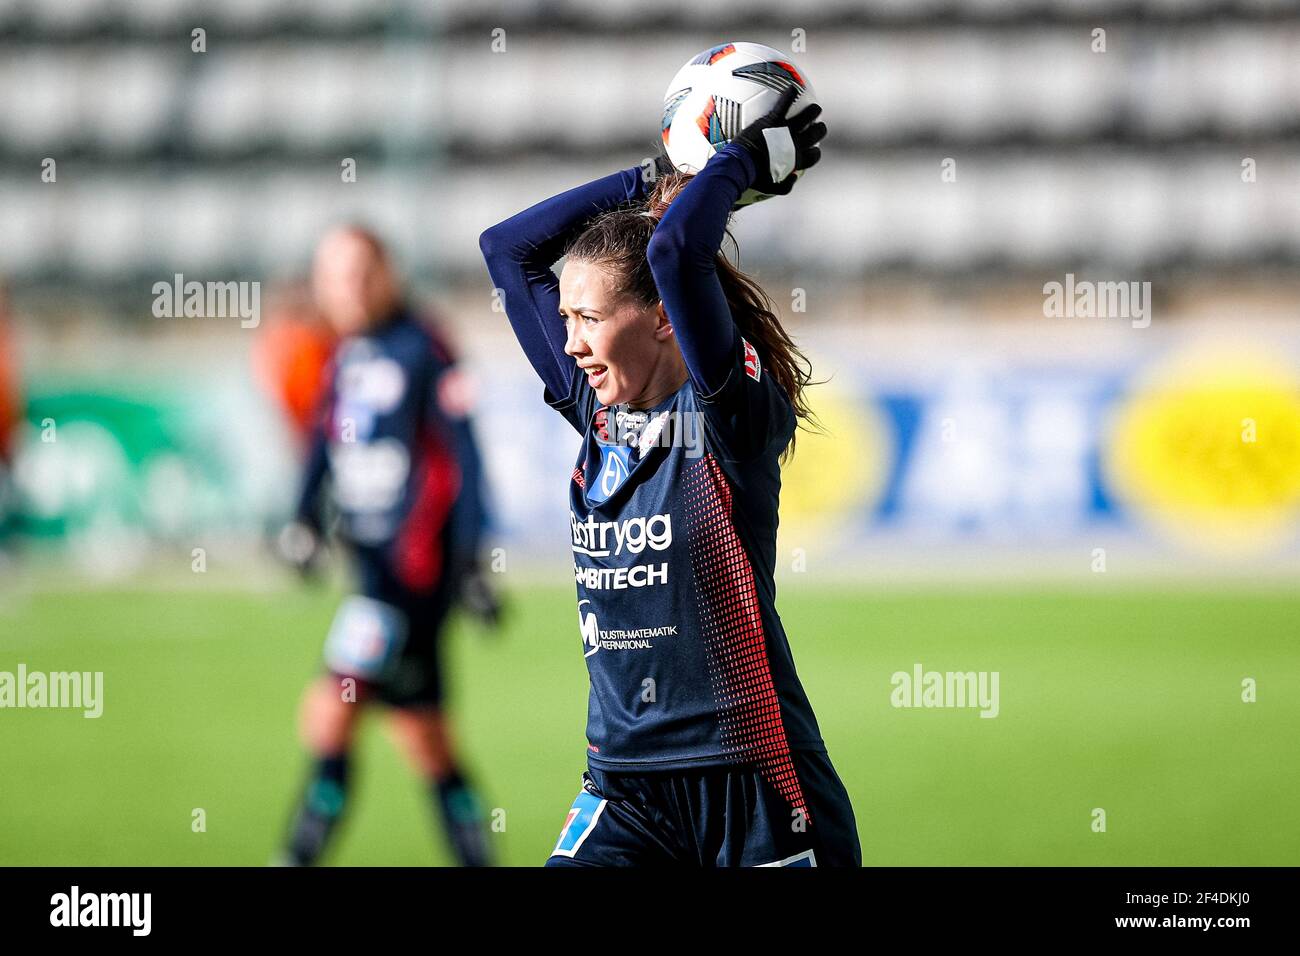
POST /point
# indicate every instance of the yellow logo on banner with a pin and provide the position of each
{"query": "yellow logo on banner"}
(831, 474)
(1210, 449)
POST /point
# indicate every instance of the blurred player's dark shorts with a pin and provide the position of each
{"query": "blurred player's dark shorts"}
(713, 816)
(388, 637)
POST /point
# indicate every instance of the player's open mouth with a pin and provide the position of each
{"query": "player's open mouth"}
(596, 375)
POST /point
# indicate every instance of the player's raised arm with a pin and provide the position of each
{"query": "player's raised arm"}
(683, 252)
(520, 252)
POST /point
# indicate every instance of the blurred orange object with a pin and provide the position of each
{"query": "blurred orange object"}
(290, 357)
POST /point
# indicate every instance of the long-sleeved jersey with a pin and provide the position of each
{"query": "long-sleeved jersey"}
(396, 441)
(674, 508)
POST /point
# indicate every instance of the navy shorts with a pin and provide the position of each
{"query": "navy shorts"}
(712, 816)
(388, 637)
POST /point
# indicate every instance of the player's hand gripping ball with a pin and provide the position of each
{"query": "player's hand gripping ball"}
(735, 89)
(783, 148)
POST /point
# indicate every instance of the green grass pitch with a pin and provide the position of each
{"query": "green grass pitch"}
(1129, 702)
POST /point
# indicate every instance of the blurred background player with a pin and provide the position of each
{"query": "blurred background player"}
(405, 478)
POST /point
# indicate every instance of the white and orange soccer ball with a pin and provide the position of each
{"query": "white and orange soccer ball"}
(720, 92)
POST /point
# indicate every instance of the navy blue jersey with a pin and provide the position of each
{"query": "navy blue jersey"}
(673, 516)
(673, 529)
(395, 440)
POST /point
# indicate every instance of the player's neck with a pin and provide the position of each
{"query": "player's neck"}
(667, 377)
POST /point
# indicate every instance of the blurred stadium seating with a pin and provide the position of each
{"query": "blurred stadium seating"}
(228, 160)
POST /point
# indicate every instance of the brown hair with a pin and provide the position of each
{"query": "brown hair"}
(618, 240)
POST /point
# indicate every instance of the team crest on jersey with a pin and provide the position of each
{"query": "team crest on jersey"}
(615, 466)
(753, 367)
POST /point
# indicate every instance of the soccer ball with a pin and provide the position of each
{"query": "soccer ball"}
(720, 92)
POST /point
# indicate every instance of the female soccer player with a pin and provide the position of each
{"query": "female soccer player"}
(395, 441)
(702, 748)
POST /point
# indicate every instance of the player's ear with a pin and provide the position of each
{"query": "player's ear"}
(663, 325)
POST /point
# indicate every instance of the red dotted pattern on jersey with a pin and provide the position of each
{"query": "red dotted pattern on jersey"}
(749, 711)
